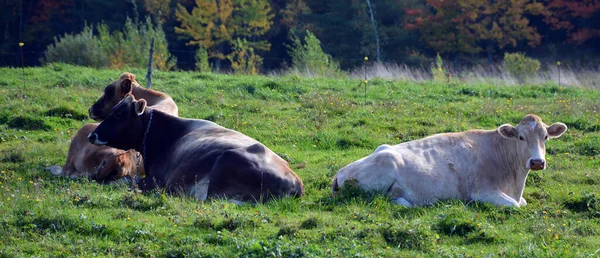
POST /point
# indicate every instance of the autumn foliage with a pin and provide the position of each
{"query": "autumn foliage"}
(573, 16)
(473, 26)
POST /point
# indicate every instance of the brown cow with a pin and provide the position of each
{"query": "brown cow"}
(101, 163)
(127, 84)
(197, 157)
(84, 158)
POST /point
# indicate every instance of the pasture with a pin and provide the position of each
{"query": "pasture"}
(318, 125)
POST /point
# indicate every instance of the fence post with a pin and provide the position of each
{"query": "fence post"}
(21, 44)
(149, 74)
(558, 65)
(365, 81)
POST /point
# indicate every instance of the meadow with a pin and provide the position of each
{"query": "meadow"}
(318, 125)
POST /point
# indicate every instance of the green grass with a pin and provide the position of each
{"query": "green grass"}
(318, 125)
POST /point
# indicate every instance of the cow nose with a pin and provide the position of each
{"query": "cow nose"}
(92, 137)
(537, 164)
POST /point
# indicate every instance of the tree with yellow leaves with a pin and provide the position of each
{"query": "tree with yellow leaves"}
(226, 27)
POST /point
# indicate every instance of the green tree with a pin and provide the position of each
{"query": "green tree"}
(201, 57)
(78, 49)
(309, 57)
(130, 47)
(226, 26)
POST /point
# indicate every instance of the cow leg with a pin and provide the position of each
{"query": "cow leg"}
(402, 201)
(522, 202)
(495, 197)
(236, 202)
(200, 189)
(55, 170)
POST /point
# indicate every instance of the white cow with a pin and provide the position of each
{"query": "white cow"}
(479, 165)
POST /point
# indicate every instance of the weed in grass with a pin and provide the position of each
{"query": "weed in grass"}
(250, 89)
(590, 147)
(309, 223)
(454, 224)
(204, 223)
(535, 178)
(416, 236)
(583, 203)
(143, 202)
(231, 224)
(65, 113)
(13, 156)
(28, 123)
(286, 230)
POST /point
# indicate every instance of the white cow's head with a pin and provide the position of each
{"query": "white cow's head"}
(531, 134)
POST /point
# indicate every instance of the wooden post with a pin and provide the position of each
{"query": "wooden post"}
(149, 74)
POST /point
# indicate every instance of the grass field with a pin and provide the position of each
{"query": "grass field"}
(318, 125)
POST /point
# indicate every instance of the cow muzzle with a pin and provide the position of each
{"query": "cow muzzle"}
(536, 164)
(92, 114)
(93, 138)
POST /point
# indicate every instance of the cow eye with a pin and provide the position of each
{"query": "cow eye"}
(521, 138)
(545, 137)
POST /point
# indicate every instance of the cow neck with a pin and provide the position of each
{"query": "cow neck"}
(151, 96)
(508, 150)
(146, 134)
(161, 133)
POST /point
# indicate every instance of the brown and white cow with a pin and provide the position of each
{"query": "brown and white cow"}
(101, 163)
(84, 158)
(197, 157)
(478, 165)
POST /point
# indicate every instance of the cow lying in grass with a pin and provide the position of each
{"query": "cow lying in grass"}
(100, 163)
(478, 165)
(104, 163)
(116, 91)
(197, 157)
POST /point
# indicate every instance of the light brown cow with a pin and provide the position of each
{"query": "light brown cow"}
(116, 91)
(84, 158)
(478, 165)
(100, 163)
(197, 157)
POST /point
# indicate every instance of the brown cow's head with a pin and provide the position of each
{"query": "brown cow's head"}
(123, 128)
(531, 134)
(113, 93)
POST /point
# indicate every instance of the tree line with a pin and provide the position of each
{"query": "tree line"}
(259, 35)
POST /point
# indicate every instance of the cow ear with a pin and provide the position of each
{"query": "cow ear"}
(556, 129)
(507, 131)
(126, 85)
(128, 97)
(140, 106)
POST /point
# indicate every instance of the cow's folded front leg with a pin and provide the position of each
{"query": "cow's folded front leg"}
(402, 201)
(522, 202)
(495, 197)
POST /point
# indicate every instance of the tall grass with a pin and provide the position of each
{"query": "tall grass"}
(497, 75)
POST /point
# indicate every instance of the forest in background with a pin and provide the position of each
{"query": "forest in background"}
(229, 34)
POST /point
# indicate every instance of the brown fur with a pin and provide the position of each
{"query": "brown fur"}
(126, 84)
(101, 163)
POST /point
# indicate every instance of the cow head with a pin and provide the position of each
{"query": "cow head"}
(113, 93)
(123, 128)
(531, 135)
